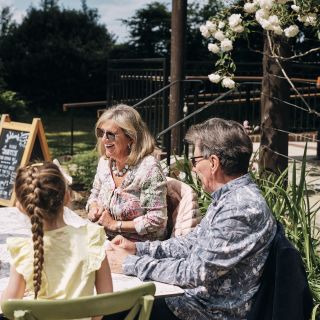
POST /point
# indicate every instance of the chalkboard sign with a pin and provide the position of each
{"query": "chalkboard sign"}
(19, 144)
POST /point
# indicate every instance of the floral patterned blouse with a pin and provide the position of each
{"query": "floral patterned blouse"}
(141, 197)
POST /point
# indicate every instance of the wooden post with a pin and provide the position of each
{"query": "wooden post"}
(178, 30)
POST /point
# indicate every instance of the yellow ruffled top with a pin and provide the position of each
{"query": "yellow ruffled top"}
(71, 257)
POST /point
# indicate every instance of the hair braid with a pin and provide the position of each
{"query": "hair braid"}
(38, 257)
(40, 191)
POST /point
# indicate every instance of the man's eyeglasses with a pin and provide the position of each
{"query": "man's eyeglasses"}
(194, 160)
(100, 133)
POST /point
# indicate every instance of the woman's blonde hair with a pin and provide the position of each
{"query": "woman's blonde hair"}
(130, 121)
(40, 189)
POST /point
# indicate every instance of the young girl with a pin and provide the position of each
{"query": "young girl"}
(60, 261)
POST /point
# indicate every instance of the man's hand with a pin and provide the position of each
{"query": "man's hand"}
(116, 257)
(124, 243)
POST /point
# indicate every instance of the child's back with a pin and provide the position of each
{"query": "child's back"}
(71, 258)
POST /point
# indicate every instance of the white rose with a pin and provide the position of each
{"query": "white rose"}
(234, 20)
(301, 18)
(274, 20)
(214, 77)
(238, 29)
(265, 24)
(262, 14)
(295, 8)
(228, 83)
(212, 27)
(277, 30)
(310, 19)
(204, 31)
(221, 25)
(219, 35)
(265, 4)
(226, 45)
(250, 7)
(213, 47)
(291, 31)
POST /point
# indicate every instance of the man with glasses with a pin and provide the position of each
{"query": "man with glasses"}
(220, 262)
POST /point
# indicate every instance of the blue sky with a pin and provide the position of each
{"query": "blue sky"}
(110, 11)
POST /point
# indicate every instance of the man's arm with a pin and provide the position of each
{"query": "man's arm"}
(226, 241)
(178, 247)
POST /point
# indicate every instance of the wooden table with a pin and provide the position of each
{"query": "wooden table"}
(14, 223)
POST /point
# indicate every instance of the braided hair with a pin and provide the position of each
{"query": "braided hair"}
(40, 188)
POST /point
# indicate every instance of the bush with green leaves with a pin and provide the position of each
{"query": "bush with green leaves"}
(11, 103)
(82, 167)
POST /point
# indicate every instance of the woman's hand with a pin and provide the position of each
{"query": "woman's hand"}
(94, 213)
(107, 221)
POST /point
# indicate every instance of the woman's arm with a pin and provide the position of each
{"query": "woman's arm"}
(92, 207)
(16, 286)
(153, 202)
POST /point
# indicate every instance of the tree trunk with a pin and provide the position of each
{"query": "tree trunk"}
(274, 112)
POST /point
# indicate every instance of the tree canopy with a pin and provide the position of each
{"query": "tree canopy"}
(56, 55)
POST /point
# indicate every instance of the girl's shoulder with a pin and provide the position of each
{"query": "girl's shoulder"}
(16, 244)
(21, 252)
(95, 233)
(96, 237)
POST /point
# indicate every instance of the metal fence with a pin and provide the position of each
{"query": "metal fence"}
(131, 80)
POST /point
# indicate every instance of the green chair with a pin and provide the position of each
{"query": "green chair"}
(138, 301)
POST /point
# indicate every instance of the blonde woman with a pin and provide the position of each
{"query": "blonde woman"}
(128, 196)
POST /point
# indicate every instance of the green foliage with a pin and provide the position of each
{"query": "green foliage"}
(6, 23)
(290, 204)
(82, 167)
(57, 55)
(10, 103)
(149, 31)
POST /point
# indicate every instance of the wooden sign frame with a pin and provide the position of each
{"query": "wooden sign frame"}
(35, 135)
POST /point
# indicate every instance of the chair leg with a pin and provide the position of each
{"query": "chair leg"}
(146, 307)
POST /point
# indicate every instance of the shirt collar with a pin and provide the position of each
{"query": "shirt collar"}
(231, 185)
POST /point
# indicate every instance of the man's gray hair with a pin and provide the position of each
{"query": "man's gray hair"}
(227, 139)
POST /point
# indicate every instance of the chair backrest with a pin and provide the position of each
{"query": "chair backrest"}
(183, 208)
(138, 301)
(284, 292)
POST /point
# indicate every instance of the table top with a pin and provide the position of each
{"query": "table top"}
(14, 223)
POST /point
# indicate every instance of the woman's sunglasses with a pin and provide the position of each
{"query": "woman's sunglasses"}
(100, 133)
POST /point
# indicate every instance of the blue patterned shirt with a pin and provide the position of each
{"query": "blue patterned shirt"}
(220, 262)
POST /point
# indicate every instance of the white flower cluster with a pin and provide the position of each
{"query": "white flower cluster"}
(226, 82)
(266, 15)
(277, 16)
